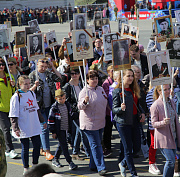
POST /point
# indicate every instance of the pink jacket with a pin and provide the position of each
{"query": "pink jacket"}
(163, 137)
(92, 116)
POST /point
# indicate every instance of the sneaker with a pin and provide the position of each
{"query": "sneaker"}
(176, 173)
(122, 170)
(107, 152)
(56, 163)
(76, 157)
(25, 170)
(102, 172)
(12, 154)
(72, 166)
(153, 169)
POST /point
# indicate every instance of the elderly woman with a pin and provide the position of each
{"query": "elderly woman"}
(92, 119)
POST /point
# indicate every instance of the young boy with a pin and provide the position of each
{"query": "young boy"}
(59, 123)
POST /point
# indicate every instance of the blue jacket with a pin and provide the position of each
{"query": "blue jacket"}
(54, 118)
(123, 117)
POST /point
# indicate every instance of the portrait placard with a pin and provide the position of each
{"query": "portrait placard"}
(125, 32)
(71, 25)
(177, 31)
(164, 28)
(79, 21)
(120, 22)
(120, 54)
(98, 25)
(29, 30)
(173, 45)
(5, 47)
(98, 15)
(82, 42)
(134, 33)
(177, 15)
(159, 67)
(8, 23)
(105, 21)
(51, 39)
(35, 43)
(20, 39)
(92, 27)
(34, 23)
(106, 29)
(107, 38)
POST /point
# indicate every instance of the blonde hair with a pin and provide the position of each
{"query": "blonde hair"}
(156, 92)
(116, 75)
(134, 86)
(109, 68)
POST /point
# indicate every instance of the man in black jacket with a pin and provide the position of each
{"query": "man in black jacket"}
(139, 59)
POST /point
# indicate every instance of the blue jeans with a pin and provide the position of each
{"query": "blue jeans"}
(45, 132)
(96, 153)
(25, 150)
(169, 154)
(62, 146)
(130, 143)
(80, 136)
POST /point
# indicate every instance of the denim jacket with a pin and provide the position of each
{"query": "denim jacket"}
(123, 117)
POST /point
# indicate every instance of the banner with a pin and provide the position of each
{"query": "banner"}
(83, 2)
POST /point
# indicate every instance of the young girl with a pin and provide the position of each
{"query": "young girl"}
(24, 112)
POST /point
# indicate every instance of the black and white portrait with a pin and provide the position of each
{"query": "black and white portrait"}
(177, 15)
(71, 25)
(29, 30)
(34, 23)
(80, 21)
(105, 21)
(159, 67)
(98, 15)
(51, 39)
(97, 24)
(82, 44)
(107, 38)
(177, 31)
(35, 46)
(20, 39)
(134, 32)
(121, 55)
(125, 30)
(69, 48)
(120, 22)
(106, 29)
(5, 48)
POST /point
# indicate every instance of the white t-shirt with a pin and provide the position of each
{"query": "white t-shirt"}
(26, 111)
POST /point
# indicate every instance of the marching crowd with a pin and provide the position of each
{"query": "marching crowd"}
(50, 97)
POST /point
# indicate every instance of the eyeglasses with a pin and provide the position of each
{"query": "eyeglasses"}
(74, 73)
(10, 64)
(2, 64)
(42, 61)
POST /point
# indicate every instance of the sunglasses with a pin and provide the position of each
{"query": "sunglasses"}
(42, 61)
(74, 73)
(10, 64)
(2, 64)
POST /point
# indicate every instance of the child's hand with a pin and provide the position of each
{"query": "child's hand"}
(45, 126)
(12, 83)
(17, 133)
(54, 135)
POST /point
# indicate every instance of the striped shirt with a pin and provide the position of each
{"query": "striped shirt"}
(64, 116)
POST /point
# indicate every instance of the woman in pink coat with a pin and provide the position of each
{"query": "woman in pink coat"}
(167, 130)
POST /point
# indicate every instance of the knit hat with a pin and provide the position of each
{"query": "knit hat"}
(12, 59)
(59, 92)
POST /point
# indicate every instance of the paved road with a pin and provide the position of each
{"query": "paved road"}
(15, 168)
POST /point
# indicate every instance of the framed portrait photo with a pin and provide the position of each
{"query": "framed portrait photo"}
(82, 42)
(106, 29)
(173, 45)
(29, 30)
(120, 54)
(98, 25)
(35, 44)
(105, 21)
(125, 32)
(20, 39)
(79, 21)
(164, 28)
(5, 47)
(159, 67)
(120, 22)
(107, 38)
(134, 32)
(51, 39)
(98, 15)
(34, 23)
(177, 31)
(177, 15)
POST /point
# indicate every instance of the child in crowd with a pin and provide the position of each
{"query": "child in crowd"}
(25, 119)
(59, 122)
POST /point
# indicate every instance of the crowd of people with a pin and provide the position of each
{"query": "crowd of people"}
(49, 96)
(47, 15)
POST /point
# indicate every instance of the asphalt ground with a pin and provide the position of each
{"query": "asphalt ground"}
(15, 167)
